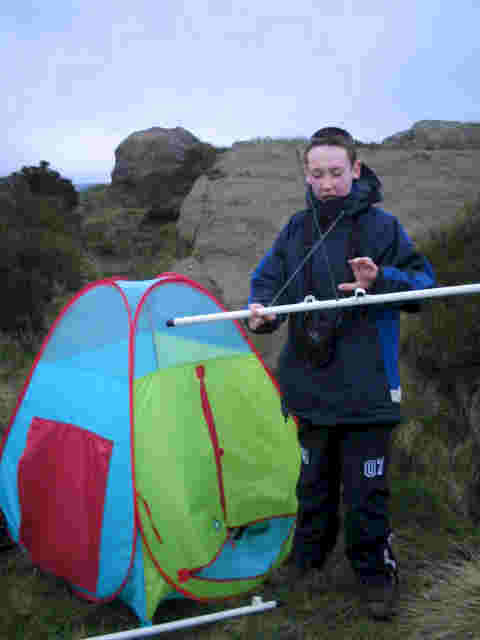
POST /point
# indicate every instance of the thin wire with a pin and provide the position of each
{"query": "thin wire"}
(310, 253)
(324, 249)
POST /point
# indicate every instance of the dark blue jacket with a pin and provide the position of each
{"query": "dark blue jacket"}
(361, 385)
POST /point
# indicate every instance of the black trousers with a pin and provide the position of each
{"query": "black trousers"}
(357, 459)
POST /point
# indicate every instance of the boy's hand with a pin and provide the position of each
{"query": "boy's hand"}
(257, 320)
(365, 273)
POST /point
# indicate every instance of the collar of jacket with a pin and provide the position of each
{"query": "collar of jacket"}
(366, 190)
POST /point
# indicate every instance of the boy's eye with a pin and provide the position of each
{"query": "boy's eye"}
(336, 173)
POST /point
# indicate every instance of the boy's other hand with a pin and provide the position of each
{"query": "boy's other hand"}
(256, 320)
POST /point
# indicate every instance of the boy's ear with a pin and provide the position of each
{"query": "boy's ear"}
(357, 169)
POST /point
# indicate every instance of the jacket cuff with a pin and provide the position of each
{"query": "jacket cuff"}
(380, 284)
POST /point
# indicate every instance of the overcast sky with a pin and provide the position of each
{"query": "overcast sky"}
(79, 76)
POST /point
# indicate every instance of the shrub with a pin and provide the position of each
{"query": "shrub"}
(43, 181)
(25, 209)
(446, 335)
(32, 268)
(39, 253)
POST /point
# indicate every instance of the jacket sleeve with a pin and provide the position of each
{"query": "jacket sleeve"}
(268, 278)
(402, 267)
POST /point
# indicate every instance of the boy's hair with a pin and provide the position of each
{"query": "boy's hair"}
(332, 137)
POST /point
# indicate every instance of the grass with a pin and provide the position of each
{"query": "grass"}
(108, 215)
(15, 363)
(116, 234)
(439, 564)
(452, 601)
(93, 197)
(445, 335)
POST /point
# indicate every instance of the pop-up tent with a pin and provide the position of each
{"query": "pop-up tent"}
(147, 462)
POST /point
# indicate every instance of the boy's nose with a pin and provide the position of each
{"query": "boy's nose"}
(327, 185)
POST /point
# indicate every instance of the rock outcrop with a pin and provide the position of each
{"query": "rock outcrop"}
(232, 215)
(156, 168)
(438, 134)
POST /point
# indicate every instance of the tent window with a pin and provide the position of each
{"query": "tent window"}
(62, 479)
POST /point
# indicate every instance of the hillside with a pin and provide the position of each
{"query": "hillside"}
(229, 218)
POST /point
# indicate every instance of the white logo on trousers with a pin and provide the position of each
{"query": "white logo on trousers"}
(372, 468)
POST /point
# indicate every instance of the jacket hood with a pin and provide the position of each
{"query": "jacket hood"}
(368, 185)
(366, 190)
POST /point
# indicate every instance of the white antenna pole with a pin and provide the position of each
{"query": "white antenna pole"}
(360, 298)
(256, 607)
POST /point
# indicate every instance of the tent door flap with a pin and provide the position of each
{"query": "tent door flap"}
(62, 480)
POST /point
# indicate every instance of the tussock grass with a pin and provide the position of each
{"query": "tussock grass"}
(15, 363)
(448, 605)
(35, 605)
(14, 359)
(108, 215)
(93, 198)
(440, 351)
(446, 335)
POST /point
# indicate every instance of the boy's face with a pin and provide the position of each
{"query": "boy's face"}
(329, 172)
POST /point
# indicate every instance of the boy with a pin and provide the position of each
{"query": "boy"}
(338, 371)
